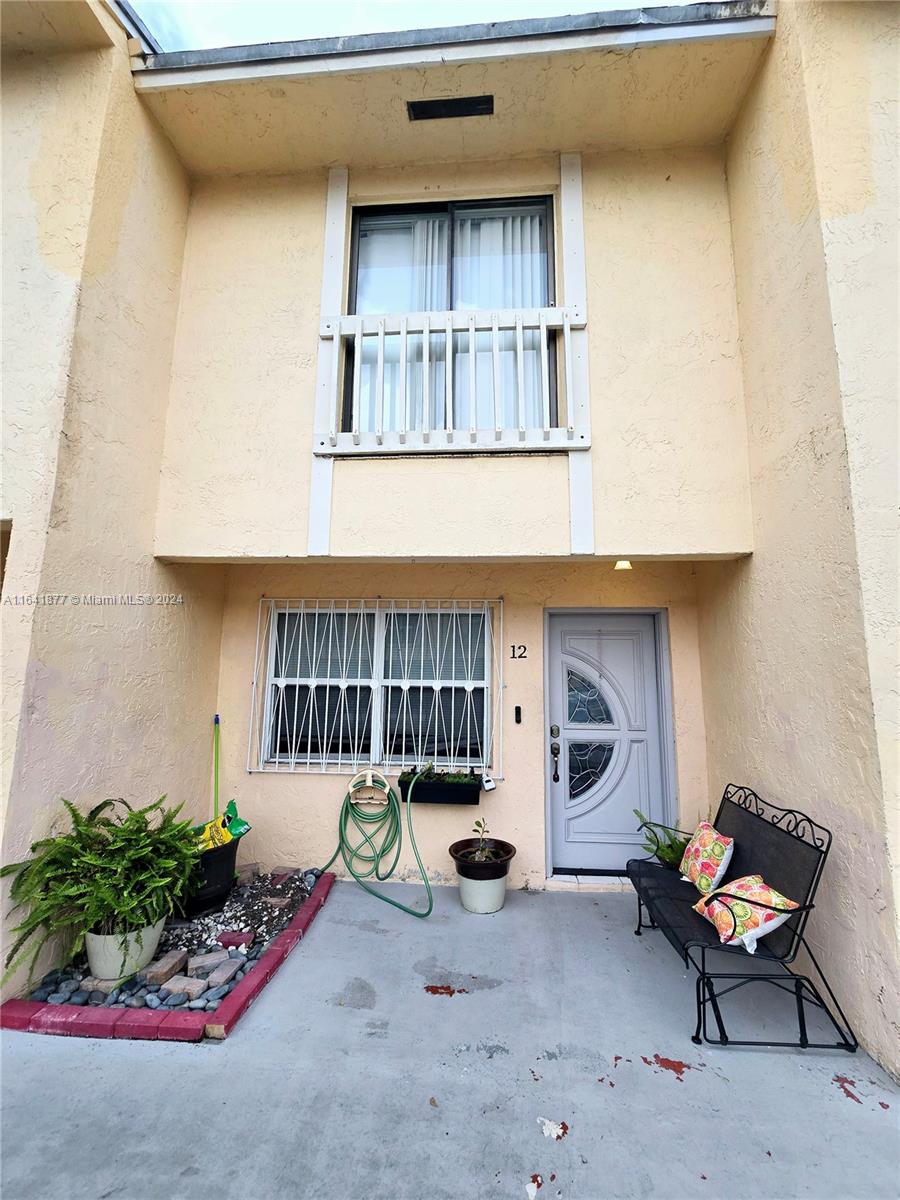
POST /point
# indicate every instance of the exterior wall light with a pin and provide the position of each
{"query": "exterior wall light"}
(623, 564)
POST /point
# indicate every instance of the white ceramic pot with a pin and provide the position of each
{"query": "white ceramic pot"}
(481, 895)
(482, 885)
(110, 956)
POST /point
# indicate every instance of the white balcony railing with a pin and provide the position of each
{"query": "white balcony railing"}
(427, 382)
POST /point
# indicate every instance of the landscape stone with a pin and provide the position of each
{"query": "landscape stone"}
(152, 1001)
(175, 999)
(212, 1006)
(201, 1003)
(202, 962)
(277, 901)
(79, 997)
(97, 997)
(57, 997)
(135, 1002)
(217, 993)
(223, 973)
(165, 967)
(247, 872)
(90, 984)
(42, 993)
(187, 985)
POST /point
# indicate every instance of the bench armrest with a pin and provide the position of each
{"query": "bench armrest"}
(707, 900)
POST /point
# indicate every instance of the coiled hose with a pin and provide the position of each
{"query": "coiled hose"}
(367, 837)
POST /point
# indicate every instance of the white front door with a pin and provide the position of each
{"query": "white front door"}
(604, 753)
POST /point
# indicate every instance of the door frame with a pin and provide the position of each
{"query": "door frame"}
(664, 701)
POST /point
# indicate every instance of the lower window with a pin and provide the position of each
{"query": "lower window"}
(344, 684)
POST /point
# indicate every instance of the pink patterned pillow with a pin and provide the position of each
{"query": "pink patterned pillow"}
(706, 858)
(741, 920)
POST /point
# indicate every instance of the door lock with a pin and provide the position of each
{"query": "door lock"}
(554, 731)
(554, 752)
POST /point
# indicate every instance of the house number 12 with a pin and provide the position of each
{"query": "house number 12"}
(518, 652)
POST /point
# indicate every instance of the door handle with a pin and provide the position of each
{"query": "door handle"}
(554, 752)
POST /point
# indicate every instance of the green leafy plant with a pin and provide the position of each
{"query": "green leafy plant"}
(115, 873)
(429, 773)
(483, 853)
(662, 842)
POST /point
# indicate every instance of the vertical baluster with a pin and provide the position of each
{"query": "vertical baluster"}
(570, 399)
(495, 375)
(334, 405)
(426, 379)
(520, 377)
(379, 386)
(473, 381)
(448, 380)
(545, 374)
(403, 398)
(357, 375)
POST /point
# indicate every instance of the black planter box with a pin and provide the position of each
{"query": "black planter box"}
(436, 791)
(215, 877)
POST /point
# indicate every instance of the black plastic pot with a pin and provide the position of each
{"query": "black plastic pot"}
(438, 791)
(461, 851)
(215, 876)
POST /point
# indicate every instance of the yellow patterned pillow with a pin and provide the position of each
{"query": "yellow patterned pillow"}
(741, 920)
(706, 858)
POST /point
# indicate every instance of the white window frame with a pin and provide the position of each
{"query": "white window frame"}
(259, 747)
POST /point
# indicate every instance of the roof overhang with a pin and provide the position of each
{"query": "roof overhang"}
(634, 79)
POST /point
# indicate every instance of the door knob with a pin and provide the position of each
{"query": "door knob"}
(554, 752)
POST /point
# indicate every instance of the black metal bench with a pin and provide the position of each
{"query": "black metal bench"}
(789, 850)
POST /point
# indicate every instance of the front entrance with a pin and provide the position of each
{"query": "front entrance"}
(604, 747)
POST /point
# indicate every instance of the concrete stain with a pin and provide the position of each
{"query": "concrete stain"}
(357, 993)
(489, 1049)
(552, 1129)
(443, 989)
(457, 981)
(845, 1085)
(675, 1065)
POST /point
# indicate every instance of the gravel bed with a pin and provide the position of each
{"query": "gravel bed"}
(249, 907)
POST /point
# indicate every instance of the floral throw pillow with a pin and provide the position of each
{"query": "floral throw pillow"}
(706, 858)
(750, 922)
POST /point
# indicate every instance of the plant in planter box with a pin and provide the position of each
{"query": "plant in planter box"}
(441, 787)
(109, 884)
(662, 842)
(482, 865)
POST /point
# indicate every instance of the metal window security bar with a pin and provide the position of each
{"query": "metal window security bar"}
(453, 341)
(343, 684)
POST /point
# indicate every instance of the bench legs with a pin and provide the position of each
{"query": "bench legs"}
(801, 987)
(651, 924)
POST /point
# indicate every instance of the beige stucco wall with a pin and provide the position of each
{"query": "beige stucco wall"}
(294, 816)
(669, 457)
(52, 120)
(786, 676)
(116, 699)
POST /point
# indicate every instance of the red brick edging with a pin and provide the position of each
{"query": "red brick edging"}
(34, 1016)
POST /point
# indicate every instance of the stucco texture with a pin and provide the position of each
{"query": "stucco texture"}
(116, 699)
(788, 700)
(294, 816)
(669, 441)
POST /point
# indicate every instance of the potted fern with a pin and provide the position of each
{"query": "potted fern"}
(107, 886)
(666, 844)
(482, 865)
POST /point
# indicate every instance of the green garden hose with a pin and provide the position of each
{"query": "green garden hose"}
(368, 837)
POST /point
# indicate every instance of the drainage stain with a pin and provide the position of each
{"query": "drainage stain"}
(457, 980)
(357, 993)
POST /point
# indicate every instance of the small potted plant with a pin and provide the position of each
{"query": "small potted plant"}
(441, 787)
(108, 885)
(482, 865)
(662, 842)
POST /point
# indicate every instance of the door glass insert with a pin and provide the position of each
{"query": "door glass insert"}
(588, 763)
(585, 703)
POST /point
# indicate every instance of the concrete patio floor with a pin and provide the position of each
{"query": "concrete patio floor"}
(348, 1079)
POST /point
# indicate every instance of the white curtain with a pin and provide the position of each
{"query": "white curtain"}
(499, 261)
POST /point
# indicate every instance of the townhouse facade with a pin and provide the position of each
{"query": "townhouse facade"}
(514, 398)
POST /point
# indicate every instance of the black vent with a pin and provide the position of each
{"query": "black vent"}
(439, 110)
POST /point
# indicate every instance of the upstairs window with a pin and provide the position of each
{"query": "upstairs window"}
(486, 259)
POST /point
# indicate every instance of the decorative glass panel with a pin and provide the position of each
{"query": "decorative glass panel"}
(586, 704)
(588, 763)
